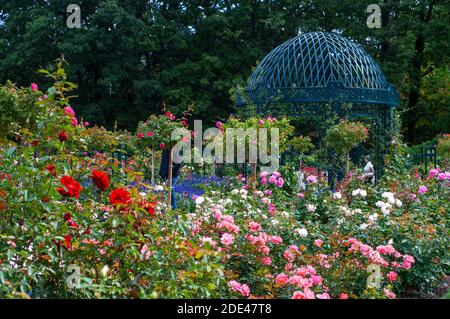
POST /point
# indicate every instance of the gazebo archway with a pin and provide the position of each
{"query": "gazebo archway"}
(317, 73)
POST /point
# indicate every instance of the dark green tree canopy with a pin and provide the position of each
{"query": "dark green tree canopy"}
(132, 58)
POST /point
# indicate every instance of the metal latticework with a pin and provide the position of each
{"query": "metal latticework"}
(309, 73)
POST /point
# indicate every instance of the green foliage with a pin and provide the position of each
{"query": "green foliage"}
(302, 143)
(443, 146)
(344, 136)
(18, 110)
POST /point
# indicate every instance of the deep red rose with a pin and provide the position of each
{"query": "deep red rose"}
(51, 169)
(62, 136)
(120, 196)
(100, 179)
(35, 142)
(162, 145)
(71, 187)
(67, 216)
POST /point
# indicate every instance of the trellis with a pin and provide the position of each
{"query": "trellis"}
(316, 73)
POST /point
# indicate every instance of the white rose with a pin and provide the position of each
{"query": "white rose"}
(398, 203)
(159, 188)
(363, 226)
(105, 270)
(302, 232)
(356, 192)
(391, 200)
(337, 196)
(199, 200)
(387, 195)
(363, 193)
(311, 208)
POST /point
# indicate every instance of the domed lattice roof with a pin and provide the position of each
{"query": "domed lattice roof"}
(320, 67)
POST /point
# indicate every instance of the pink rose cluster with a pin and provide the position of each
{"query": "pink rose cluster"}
(376, 255)
(306, 279)
(243, 289)
(261, 242)
(275, 179)
(69, 112)
(226, 222)
(441, 175)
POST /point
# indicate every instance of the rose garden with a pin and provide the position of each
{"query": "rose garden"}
(84, 213)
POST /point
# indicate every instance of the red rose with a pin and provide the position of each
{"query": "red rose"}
(150, 134)
(120, 196)
(67, 240)
(35, 142)
(71, 187)
(100, 179)
(51, 169)
(62, 136)
(148, 206)
(162, 145)
(140, 135)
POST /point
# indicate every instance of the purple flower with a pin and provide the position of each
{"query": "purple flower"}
(422, 190)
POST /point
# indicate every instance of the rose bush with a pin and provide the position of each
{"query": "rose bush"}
(84, 225)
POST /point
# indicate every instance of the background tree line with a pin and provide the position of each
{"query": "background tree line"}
(132, 58)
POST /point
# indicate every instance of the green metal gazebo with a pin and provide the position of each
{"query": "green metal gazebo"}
(316, 73)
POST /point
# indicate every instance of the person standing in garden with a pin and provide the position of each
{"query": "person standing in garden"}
(164, 172)
(369, 172)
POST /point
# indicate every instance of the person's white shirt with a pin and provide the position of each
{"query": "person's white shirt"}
(369, 172)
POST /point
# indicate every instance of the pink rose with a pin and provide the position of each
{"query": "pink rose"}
(254, 226)
(343, 296)
(318, 242)
(266, 261)
(389, 294)
(280, 182)
(69, 111)
(34, 87)
(227, 239)
(311, 179)
(276, 240)
(282, 279)
(316, 280)
(392, 276)
(433, 173)
(422, 190)
(245, 290)
(145, 252)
